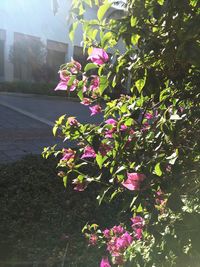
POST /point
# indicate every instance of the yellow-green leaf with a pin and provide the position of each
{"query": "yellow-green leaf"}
(102, 10)
(157, 170)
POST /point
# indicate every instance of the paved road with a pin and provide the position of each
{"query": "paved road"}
(26, 123)
(49, 108)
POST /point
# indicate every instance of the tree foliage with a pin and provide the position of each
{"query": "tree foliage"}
(146, 151)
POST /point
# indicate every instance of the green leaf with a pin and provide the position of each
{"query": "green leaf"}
(134, 39)
(157, 170)
(114, 194)
(160, 2)
(55, 128)
(173, 157)
(140, 84)
(65, 181)
(133, 201)
(80, 94)
(102, 10)
(175, 117)
(106, 37)
(99, 160)
(140, 208)
(122, 168)
(90, 66)
(103, 84)
(72, 30)
(101, 197)
(133, 21)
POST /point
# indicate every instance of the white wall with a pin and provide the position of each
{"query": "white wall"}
(36, 18)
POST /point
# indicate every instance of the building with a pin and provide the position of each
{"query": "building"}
(34, 41)
(31, 36)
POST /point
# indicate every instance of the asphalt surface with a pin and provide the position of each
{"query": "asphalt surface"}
(26, 123)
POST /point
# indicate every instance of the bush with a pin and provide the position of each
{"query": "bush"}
(33, 88)
(146, 151)
(39, 217)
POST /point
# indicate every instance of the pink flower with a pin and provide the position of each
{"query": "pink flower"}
(111, 122)
(159, 197)
(134, 180)
(106, 233)
(93, 239)
(75, 67)
(98, 56)
(88, 153)
(72, 121)
(74, 85)
(138, 222)
(95, 83)
(64, 80)
(105, 263)
(64, 75)
(61, 86)
(109, 133)
(124, 241)
(123, 128)
(104, 149)
(118, 230)
(138, 233)
(148, 116)
(68, 154)
(86, 101)
(79, 186)
(95, 110)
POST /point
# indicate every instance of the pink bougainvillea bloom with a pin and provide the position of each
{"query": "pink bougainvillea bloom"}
(109, 133)
(104, 149)
(68, 154)
(64, 80)
(72, 121)
(79, 186)
(64, 75)
(74, 85)
(111, 122)
(106, 233)
(134, 180)
(138, 233)
(148, 116)
(88, 153)
(159, 197)
(62, 85)
(95, 110)
(75, 67)
(138, 222)
(145, 127)
(86, 101)
(93, 239)
(95, 82)
(98, 56)
(118, 230)
(105, 263)
(123, 128)
(127, 239)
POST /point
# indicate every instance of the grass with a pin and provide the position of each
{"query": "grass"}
(41, 220)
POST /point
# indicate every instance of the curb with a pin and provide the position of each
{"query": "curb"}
(39, 96)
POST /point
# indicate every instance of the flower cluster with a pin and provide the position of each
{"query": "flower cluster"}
(118, 240)
(90, 85)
